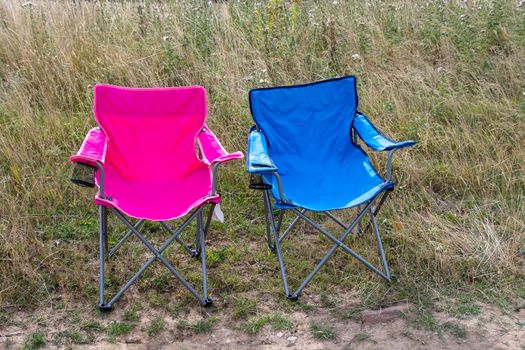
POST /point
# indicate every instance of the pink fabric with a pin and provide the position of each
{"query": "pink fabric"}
(212, 149)
(150, 159)
(92, 149)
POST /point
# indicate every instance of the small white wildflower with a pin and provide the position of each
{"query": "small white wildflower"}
(440, 69)
(462, 17)
(57, 243)
(356, 57)
(27, 4)
(335, 2)
(263, 81)
(523, 92)
(165, 38)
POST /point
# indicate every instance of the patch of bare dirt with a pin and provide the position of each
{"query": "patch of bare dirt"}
(493, 328)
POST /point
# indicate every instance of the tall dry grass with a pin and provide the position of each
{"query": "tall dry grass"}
(449, 74)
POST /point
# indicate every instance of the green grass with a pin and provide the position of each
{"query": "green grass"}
(328, 301)
(256, 324)
(455, 329)
(116, 329)
(465, 306)
(76, 337)
(243, 307)
(276, 321)
(322, 331)
(131, 315)
(36, 340)
(92, 326)
(156, 326)
(204, 326)
(182, 325)
(4, 318)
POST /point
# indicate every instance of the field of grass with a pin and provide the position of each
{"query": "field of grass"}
(449, 74)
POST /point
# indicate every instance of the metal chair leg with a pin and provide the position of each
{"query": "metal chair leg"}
(277, 244)
(207, 301)
(380, 249)
(197, 251)
(103, 232)
(269, 220)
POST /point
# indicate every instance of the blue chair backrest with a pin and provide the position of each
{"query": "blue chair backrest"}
(307, 125)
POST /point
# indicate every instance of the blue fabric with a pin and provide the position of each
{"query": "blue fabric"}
(308, 132)
(258, 159)
(373, 138)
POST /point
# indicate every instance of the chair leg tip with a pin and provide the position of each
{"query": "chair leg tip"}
(105, 308)
(393, 278)
(292, 297)
(207, 302)
(195, 254)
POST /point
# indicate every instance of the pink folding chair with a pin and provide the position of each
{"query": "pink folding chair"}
(146, 166)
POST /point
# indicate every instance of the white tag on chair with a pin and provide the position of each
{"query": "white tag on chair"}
(218, 215)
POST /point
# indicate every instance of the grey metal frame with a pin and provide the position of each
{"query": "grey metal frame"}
(273, 228)
(199, 250)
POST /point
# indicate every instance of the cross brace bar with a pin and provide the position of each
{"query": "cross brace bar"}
(275, 244)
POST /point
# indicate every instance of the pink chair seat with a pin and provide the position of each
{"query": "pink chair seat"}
(160, 200)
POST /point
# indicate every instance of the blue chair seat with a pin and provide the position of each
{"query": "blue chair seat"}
(334, 185)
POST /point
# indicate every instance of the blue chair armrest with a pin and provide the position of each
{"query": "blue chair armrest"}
(258, 160)
(373, 138)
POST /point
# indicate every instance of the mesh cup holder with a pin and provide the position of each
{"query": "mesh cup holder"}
(83, 175)
(257, 183)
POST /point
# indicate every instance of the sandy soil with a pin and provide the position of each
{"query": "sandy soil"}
(493, 328)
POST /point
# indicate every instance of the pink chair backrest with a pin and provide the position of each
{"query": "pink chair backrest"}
(151, 132)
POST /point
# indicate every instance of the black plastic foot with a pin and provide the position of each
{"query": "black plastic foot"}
(105, 308)
(292, 297)
(195, 254)
(393, 278)
(208, 302)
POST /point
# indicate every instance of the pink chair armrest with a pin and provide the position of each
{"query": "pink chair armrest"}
(212, 149)
(93, 148)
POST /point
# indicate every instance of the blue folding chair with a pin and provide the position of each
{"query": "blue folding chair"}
(304, 152)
